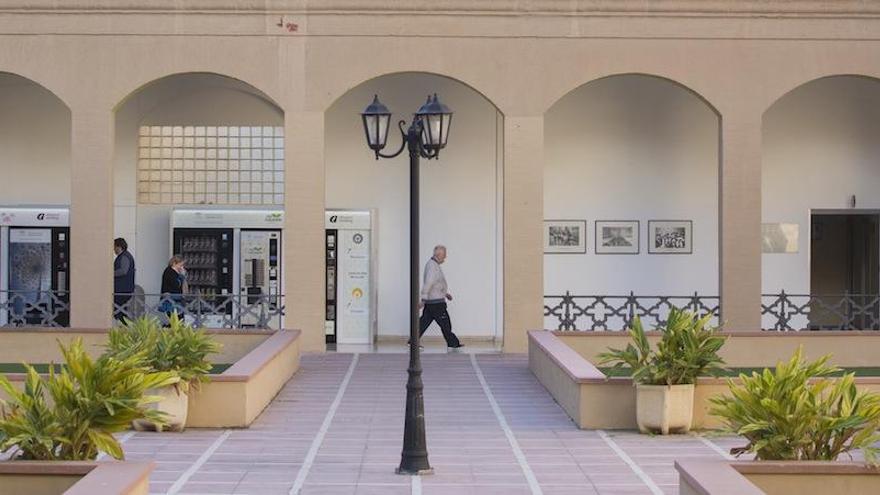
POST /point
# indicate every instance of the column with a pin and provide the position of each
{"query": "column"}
(523, 220)
(740, 223)
(91, 215)
(304, 283)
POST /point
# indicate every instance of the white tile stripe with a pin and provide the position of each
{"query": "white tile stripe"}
(319, 438)
(416, 485)
(199, 463)
(514, 445)
(632, 465)
(121, 440)
(716, 448)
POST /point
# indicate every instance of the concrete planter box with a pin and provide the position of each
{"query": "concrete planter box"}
(664, 408)
(74, 478)
(263, 361)
(776, 478)
(563, 363)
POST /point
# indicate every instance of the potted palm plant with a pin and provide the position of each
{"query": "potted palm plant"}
(665, 377)
(72, 414)
(179, 349)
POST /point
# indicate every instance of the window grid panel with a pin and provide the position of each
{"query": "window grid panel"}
(240, 165)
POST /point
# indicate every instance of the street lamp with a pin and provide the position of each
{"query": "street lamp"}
(425, 137)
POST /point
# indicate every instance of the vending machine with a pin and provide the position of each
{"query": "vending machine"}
(351, 316)
(260, 272)
(35, 266)
(232, 252)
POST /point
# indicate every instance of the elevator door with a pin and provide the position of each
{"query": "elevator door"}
(845, 270)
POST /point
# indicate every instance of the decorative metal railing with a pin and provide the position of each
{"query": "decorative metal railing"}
(215, 311)
(793, 312)
(616, 313)
(43, 308)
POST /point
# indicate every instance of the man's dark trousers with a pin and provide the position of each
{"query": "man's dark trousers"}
(436, 311)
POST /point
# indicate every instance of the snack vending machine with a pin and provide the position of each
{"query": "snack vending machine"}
(35, 266)
(351, 316)
(208, 255)
(233, 255)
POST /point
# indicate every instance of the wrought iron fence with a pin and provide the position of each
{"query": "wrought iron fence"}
(615, 313)
(44, 308)
(209, 311)
(793, 312)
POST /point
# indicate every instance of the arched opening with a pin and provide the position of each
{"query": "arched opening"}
(35, 128)
(820, 208)
(630, 203)
(199, 172)
(460, 208)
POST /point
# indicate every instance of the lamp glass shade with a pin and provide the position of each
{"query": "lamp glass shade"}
(376, 118)
(436, 119)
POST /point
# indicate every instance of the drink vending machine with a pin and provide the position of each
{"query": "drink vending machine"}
(351, 316)
(35, 266)
(232, 252)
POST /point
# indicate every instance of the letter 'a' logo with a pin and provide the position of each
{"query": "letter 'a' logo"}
(41, 216)
(333, 219)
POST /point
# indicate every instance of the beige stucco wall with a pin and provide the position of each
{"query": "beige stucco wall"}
(523, 56)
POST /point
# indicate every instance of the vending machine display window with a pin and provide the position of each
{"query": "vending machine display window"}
(207, 255)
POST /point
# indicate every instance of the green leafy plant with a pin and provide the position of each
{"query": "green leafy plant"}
(72, 414)
(797, 413)
(180, 348)
(688, 348)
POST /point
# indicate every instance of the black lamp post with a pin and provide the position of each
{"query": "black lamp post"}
(425, 137)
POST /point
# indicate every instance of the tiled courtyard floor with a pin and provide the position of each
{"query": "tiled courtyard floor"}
(336, 428)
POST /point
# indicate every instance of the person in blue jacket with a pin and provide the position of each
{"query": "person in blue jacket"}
(123, 279)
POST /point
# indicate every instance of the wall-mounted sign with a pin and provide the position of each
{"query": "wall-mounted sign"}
(779, 238)
(35, 217)
(244, 219)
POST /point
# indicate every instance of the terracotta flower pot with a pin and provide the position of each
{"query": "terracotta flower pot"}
(664, 408)
(174, 404)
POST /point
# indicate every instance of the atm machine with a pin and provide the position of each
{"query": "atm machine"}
(34, 265)
(232, 252)
(350, 316)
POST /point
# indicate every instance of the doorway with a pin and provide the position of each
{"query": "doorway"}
(844, 270)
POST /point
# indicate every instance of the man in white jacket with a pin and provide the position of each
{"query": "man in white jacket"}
(433, 299)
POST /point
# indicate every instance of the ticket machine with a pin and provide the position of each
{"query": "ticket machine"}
(35, 266)
(351, 316)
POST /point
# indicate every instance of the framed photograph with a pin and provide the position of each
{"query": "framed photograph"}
(670, 237)
(617, 237)
(779, 238)
(565, 236)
